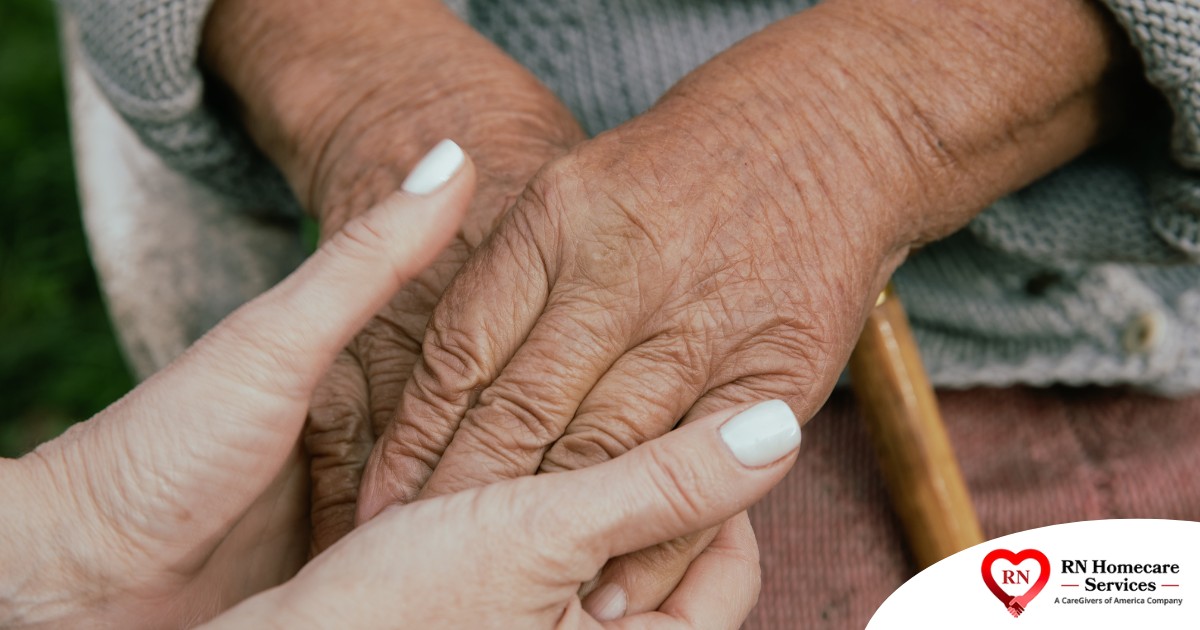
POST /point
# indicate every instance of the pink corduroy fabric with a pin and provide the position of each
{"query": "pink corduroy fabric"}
(832, 549)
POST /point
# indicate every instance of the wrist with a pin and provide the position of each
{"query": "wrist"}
(915, 116)
(343, 102)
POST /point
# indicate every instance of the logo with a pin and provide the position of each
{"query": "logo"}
(1015, 578)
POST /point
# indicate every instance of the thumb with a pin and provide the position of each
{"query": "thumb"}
(216, 426)
(691, 479)
(468, 559)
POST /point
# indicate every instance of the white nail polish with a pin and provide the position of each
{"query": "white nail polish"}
(435, 169)
(608, 603)
(762, 434)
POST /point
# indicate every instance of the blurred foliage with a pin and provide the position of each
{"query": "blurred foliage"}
(59, 361)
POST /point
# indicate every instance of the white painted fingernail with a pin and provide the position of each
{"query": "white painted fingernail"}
(607, 603)
(762, 434)
(435, 169)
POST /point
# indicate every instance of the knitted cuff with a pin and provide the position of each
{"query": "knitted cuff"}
(1166, 33)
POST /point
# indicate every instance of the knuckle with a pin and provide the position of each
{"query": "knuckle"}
(558, 179)
(452, 360)
(592, 440)
(676, 480)
(337, 433)
(401, 471)
(670, 559)
(364, 236)
(542, 214)
(580, 450)
(515, 417)
(412, 445)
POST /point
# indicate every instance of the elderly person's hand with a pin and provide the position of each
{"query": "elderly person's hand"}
(344, 98)
(726, 245)
(190, 493)
(513, 555)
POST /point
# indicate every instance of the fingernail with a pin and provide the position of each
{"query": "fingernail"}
(762, 434)
(435, 169)
(607, 603)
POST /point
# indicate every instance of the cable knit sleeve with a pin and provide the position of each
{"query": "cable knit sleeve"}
(1167, 35)
(143, 56)
(1135, 200)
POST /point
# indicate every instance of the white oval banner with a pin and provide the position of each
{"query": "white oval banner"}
(1091, 574)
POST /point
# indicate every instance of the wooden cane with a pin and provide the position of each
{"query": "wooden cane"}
(917, 460)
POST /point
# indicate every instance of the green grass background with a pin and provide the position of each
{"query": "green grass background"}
(59, 362)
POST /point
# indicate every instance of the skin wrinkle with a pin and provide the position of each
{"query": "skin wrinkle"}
(615, 428)
(85, 506)
(333, 495)
(669, 482)
(424, 451)
(542, 195)
(768, 132)
(349, 192)
(634, 228)
(515, 414)
(930, 144)
(660, 568)
(318, 173)
(530, 419)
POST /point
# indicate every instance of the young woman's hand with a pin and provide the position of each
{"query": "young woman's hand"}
(513, 554)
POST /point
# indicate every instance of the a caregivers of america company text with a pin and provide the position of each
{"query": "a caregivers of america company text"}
(1125, 584)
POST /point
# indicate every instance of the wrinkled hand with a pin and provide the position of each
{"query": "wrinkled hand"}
(644, 280)
(190, 494)
(513, 554)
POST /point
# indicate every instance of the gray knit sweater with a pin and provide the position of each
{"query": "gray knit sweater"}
(1090, 275)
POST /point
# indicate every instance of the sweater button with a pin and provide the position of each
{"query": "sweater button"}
(1144, 333)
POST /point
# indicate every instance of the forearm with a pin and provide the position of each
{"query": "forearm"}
(307, 80)
(920, 112)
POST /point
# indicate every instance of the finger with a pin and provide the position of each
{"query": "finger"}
(338, 439)
(477, 326)
(641, 397)
(686, 481)
(719, 590)
(647, 577)
(528, 407)
(214, 428)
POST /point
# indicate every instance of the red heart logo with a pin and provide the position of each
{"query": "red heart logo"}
(1016, 604)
